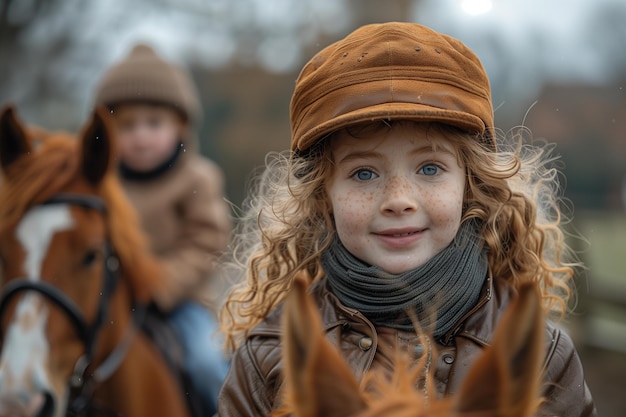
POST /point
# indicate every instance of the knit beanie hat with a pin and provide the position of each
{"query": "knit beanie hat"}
(144, 77)
(391, 71)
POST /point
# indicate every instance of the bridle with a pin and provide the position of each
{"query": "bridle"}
(82, 384)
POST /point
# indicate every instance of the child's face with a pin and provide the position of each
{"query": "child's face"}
(147, 134)
(396, 194)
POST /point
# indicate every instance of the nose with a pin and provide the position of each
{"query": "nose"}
(24, 404)
(139, 136)
(24, 390)
(399, 197)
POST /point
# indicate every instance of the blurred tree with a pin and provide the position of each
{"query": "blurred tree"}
(59, 48)
(30, 68)
(245, 55)
(15, 15)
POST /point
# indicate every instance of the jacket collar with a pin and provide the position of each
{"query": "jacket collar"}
(477, 325)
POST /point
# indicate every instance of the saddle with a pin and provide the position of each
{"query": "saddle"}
(156, 327)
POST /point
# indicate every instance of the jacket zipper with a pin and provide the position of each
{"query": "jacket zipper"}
(480, 304)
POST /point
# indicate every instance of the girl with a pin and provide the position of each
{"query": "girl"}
(397, 202)
(179, 196)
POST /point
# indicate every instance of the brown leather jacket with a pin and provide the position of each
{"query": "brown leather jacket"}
(253, 383)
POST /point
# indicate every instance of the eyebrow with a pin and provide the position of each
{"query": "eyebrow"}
(418, 151)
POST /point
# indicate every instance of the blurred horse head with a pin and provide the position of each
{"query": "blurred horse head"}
(76, 272)
(503, 382)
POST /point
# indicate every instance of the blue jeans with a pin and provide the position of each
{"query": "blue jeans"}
(204, 359)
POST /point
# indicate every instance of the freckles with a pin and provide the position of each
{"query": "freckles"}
(448, 204)
(352, 209)
(399, 186)
(435, 200)
(354, 198)
(366, 200)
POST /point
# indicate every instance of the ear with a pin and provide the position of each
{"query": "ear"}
(13, 140)
(318, 380)
(507, 377)
(97, 146)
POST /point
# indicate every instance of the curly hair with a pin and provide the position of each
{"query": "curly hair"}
(286, 223)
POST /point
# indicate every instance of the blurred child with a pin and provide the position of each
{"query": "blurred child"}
(178, 195)
(397, 201)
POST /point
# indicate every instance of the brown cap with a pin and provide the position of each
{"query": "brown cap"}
(144, 77)
(390, 71)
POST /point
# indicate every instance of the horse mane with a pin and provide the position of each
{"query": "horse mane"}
(52, 167)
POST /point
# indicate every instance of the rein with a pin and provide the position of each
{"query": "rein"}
(81, 384)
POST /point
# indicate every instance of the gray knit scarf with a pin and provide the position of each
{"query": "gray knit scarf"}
(440, 292)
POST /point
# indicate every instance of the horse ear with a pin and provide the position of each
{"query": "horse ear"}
(318, 380)
(508, 374)
(13, 140)
(97, 143)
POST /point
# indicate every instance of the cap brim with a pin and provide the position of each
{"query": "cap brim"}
(392, 111)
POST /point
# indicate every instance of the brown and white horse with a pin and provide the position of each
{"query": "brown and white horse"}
(76, 276)
(503, 382)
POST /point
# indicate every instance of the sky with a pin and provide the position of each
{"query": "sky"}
(529, 42)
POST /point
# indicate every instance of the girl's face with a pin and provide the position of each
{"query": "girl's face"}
(396, 194)
(147, 134)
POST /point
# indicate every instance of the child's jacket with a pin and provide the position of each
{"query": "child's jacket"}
(254, 381)
(187, 221)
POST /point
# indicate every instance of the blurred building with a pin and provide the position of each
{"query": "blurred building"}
(588, 123)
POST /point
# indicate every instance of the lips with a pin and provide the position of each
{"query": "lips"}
(403, 234)
(399, 232)
(398, 238)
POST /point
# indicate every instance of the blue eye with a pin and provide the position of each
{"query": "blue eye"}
(364, 175)
(429, 169)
